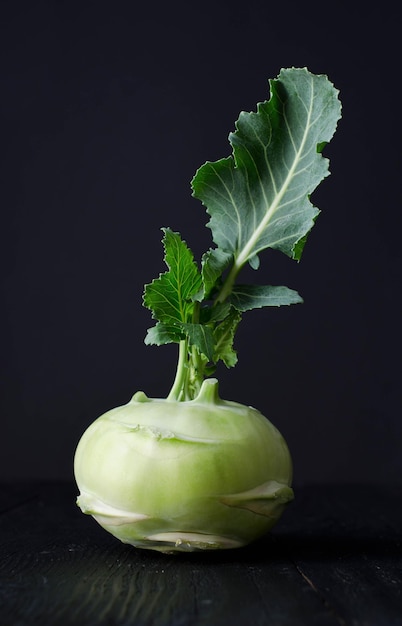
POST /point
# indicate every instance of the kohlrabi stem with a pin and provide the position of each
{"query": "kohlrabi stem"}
(196, 366)
(191, 366)
(227, 286)
(196, 373)
(179, 384)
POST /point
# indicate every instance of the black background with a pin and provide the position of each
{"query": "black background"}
(107, 110)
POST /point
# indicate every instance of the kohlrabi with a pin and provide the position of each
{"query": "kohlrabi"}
(193, 471)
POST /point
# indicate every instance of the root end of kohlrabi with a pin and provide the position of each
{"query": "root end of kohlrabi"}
(169, 543)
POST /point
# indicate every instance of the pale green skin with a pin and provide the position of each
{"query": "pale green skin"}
(183, 476)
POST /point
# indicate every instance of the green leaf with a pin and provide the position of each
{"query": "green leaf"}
(213, 264)
(254, 262)
(161, 334)
(170, 296)
(215, 313)
(259, 197)
(201, 337)
(247, 297)
(223, 338)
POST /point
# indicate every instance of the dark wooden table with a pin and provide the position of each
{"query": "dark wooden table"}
(335, 559)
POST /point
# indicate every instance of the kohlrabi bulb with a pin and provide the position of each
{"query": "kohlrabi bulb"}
(183, 476)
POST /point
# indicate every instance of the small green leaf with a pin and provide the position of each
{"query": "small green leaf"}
(215, 313)
(213, 264)
(161, 334)
(254, 262)
(247, 297)
(223, 337)
(201, 337)
(170, 296)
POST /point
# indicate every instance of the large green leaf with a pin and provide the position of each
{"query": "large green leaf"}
(260, 196)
